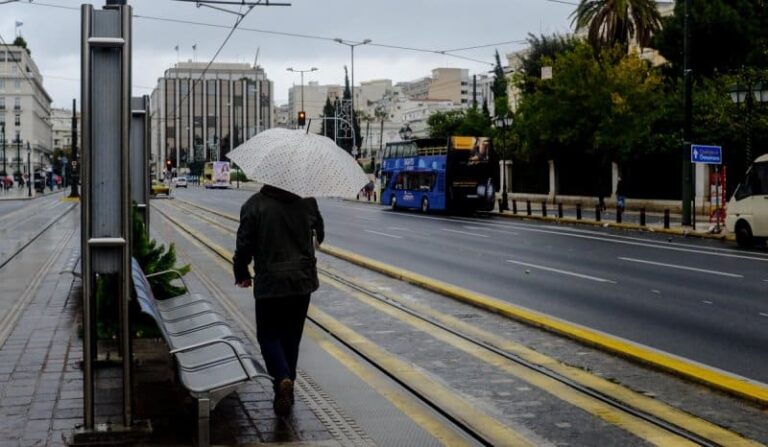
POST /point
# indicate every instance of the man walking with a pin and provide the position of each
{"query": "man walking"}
(276, 232)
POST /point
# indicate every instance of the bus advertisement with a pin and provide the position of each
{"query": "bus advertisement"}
(454, 175)
(216, 174)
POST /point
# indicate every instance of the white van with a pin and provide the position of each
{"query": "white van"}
(748, 209)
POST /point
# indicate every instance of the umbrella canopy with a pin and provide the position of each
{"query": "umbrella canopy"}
(305, 164)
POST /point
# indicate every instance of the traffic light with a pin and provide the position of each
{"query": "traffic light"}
(302, 118)
(168, 164)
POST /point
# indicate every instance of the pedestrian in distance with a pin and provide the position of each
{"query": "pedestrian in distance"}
(279, 232)
(620, 196)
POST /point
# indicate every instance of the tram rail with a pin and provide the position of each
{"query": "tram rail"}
(686, 428)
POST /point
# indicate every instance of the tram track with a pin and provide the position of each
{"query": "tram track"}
(17, 251)
(600, 392)
(9, 319)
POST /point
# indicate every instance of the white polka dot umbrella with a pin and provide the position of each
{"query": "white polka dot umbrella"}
(305, 164)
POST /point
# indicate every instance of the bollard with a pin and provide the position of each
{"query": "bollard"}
(514, 206)
(544, 209)
(501, 206)
(666, 218)
(597, 213)
(357, 197)
(528, 207)
(560, 210)
(619, 212)
(578, 211)
(374, 196)
(642, 216)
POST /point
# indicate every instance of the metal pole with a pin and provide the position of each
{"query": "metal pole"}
(352, 92)
(89, 313)
(687, 132)
(3, 135)
(74, 175)
(30, 177)
(749, 104)
(302, 90)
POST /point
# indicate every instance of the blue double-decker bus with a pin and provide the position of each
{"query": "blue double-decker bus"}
(454, 175)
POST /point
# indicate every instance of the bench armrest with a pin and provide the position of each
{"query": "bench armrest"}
(214, 342)
(178, 273)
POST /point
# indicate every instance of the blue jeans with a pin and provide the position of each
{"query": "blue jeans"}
(279, 326)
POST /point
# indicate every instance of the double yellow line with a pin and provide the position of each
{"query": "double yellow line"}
(719, 380)
(494, 430)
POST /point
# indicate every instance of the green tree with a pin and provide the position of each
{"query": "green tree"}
(348, 144)
(329, 125)
(600, 104)
(20, 42)
(726, 35)
(539, 48)
(617, 22)
(499, 88)
(445, 124)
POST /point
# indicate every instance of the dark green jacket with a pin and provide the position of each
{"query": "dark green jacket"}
(276, 229)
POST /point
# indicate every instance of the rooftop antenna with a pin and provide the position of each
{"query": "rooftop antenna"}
(256, 58)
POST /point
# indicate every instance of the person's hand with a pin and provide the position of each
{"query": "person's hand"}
(245, 283)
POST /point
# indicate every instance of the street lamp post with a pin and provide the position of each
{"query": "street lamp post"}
(30, 176)
(748, 94)
(2, 136)
(352, 46)
(291, 69)
(503, 123)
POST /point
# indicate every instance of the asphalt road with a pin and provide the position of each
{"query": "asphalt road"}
(703, 300)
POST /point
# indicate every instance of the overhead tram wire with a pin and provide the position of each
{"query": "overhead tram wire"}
(301, 35)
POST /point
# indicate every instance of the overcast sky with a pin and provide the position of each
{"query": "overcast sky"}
(53, 35)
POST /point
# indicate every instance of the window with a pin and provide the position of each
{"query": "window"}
(2, 103)
(17, 103)
(17, 119)
(2, 84)
(17, 84)
(17, 138)
(760, 179)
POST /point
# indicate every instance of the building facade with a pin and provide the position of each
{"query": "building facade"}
(200, 117)
(25, 112)
(61, 120)
(315, 96)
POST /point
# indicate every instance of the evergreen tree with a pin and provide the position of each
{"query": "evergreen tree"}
(329, 125)
(500, 100)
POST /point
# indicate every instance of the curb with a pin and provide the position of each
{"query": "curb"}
(681, 232)
(623, 226)
(688, 369)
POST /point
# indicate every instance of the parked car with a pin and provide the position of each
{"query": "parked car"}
(159, 188)
(181, 182)
(747, 214)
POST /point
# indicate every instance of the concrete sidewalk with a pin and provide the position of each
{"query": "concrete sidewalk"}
(24, 194)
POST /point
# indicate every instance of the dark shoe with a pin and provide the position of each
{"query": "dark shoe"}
(283, 397)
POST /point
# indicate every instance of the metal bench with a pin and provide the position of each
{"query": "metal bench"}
(212, 362)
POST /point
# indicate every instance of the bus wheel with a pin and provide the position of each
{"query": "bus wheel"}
(393, 202)
(424, 205)
(744, 235)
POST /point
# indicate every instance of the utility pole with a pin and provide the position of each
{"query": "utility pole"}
(74, 174)
(688, 124)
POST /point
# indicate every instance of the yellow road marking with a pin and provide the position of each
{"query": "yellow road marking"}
(643, 403)
(441, 431)
(638, 427)
(402, 401)
(445, 398)
(617, 392)
(736, 385)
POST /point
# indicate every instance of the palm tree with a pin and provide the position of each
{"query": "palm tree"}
(617, 22)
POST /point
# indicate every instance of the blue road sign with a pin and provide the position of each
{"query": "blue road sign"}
(711, 155)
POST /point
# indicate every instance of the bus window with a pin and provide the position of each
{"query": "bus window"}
(760, 186)
(398, 150)
(412, 150)
(400, 181)
(387, 151)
